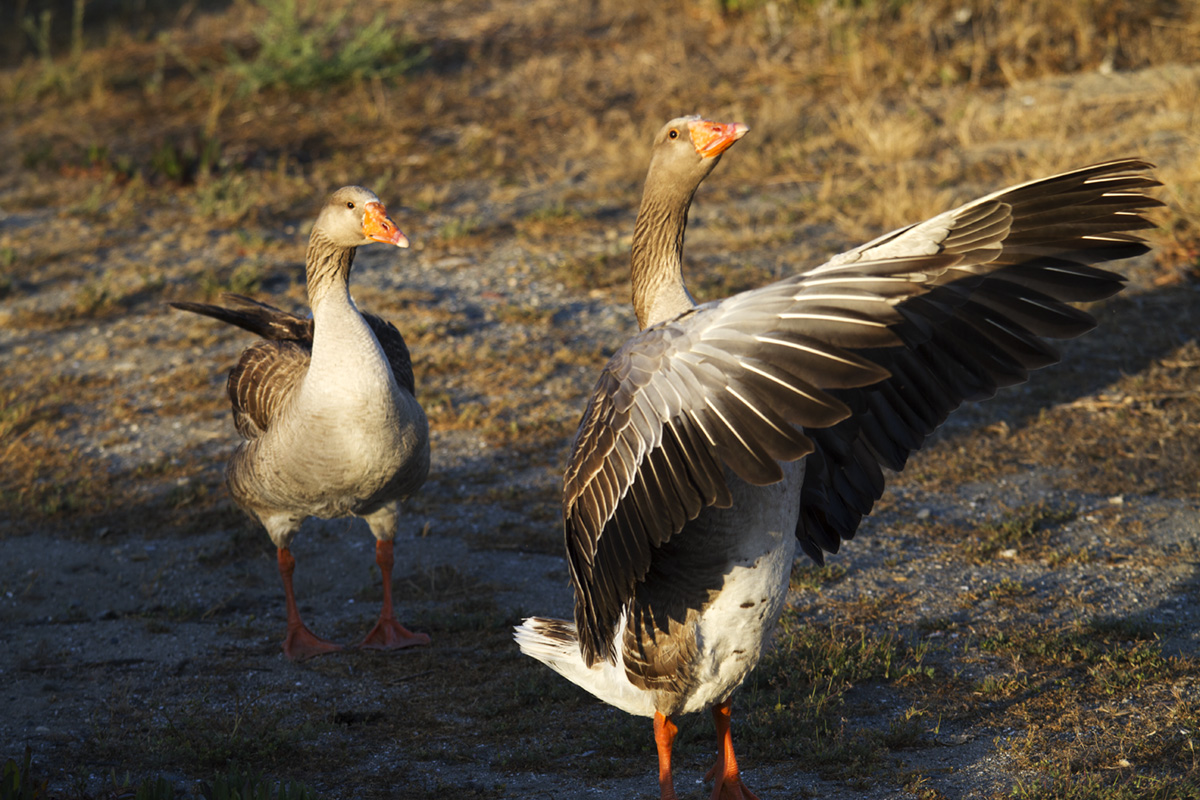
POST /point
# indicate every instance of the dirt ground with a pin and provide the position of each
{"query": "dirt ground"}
(1034, 572)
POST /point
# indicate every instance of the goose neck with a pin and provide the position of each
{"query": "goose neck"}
(328, 271)
(656, 268)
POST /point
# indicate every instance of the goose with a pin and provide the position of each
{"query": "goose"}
(724, 435)
(327, 409)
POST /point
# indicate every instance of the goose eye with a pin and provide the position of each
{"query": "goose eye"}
(673, 134)
(349, 204)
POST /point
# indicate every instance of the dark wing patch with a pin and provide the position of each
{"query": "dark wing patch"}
(394, 350)
(261, 319)
(268, 371)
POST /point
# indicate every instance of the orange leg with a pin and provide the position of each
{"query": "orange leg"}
(299, 643)
(728, 782)
(664, 737)
(388, 634)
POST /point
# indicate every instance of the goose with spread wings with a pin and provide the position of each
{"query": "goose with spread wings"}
(725, 434)
(327, 409)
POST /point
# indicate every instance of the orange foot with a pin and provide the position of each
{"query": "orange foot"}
(391, 635)
(727, 787)
(732, 791)
(301, 644)
(728, 780)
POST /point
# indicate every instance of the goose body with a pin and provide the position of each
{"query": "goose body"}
(723, 436)
(327, 409)
(346, 437)
(734, 561)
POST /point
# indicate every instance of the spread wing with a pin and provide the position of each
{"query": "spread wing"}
(1061, 225)
(865, 354)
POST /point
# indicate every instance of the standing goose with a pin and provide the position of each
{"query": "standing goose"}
(723, 433)
(327, 409)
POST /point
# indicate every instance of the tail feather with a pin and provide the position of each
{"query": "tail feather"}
(248, 314)
(555, 643)
(548, 640)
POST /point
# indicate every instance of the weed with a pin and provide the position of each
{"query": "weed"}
(557, 211)
(228, 197)
(931, 624)
(1137, 629)
(107, 294)
(155, 789)
(18, 413)
(188, 161)
(239, 785)
(808, 577)
(215, 729)
(599, 271)
(1008, 589)
(1017, 528)
(459, 228)
(299, 51)
(17, 782)
(245, 278)
(800, 683)
(1069, 785)
(64, 78)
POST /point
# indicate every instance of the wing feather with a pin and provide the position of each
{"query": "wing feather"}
(276, 325)
(960, 346)
(265, 377)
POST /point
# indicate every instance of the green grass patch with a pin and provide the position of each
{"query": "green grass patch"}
(1071, 786)
(808, 577)
(303, 47)
(18, 782)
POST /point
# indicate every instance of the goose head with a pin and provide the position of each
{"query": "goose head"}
(355, 216)
(687, 148)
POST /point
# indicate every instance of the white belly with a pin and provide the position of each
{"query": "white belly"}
(733, 629)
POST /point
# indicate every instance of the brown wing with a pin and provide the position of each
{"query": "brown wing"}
(266, 375)
(955, 351)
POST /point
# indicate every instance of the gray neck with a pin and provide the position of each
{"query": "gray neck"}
(657, 262)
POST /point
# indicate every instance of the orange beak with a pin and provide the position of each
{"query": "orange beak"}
(713, 138)
(378, 226)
